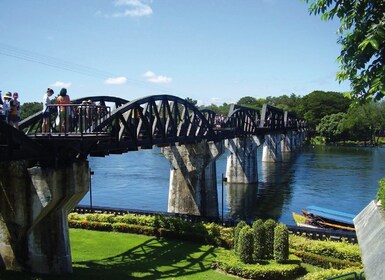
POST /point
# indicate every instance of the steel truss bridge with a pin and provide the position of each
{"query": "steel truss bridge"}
(103, 125)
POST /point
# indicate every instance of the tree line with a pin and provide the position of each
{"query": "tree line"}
(331, 116)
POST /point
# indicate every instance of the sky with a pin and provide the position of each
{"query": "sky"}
(209, 50)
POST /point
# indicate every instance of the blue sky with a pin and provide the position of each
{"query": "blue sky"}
(211, 51)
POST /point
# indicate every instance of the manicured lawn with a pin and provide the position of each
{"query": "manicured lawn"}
(102, 255)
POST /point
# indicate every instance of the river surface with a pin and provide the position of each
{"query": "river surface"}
(340, 178)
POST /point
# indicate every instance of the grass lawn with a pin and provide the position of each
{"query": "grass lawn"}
(105, 255)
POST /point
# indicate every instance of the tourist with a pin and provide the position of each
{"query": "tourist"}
(64, 111)
(6, 106)
(46, 110)
(14, 112)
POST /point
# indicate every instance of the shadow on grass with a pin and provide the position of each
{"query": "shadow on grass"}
(153, 259)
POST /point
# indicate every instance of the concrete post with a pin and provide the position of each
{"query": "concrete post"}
(272, 148)
(34, 205)
(193, 180)
(370, 229)
(242, 165)
(287, 143)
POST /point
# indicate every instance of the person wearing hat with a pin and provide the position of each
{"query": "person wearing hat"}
(6, 106)
(46, 110)
(14, 113)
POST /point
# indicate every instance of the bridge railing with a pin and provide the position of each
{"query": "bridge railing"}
(74, 119)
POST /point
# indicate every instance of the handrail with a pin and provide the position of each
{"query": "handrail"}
(70, 118)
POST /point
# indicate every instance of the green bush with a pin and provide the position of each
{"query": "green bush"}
(281, 243)
(230, 263)
(90, 225)
(324, 261)
(259, 239)
(269, 225)
(103, 218)
(381, 191)
(237, 229)
(133, 219)
(338, 250)
(213, 234)
(245, 244)
(329, 273)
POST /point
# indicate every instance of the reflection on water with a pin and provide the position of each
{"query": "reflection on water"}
(341, 178)
(263, 200)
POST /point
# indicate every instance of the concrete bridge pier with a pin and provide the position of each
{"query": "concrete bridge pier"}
(34, 204)
(288, 142)
(272, 150)
(242, 165)
(193, 180)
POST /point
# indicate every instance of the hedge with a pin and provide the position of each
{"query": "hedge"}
(158, 225)
(269, 225)
(337, 250)
(237, 229)
(281, 243)
(326, 274)
(259, 239)
(229, 262)
(246, 244)
(324, 261)
(381, 191)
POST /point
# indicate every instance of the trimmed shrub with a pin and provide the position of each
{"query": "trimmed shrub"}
(329, 273)
(259, 239)
(281, 243)
(381, 191)
(229, 262)
(269, 225)
(213, 234)
(324, 261)
(245, 244)
(90, 225)
(337, 250)
(237, 229)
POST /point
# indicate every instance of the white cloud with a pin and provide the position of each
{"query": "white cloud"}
(135, 8)
(153, 78)
(116, 81)
(61, 84)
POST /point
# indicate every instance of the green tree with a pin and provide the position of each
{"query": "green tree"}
(365, 122)
(287, 103)
(220, 110)
(192, 101)
(30, 108)
(362, 38)
(331, 127)
(251, 102)
(319, 104)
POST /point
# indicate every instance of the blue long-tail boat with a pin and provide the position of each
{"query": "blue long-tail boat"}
(320, 217)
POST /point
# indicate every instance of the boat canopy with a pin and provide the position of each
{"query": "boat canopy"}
(330, 214)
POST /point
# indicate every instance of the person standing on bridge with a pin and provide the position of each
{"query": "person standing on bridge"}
(6, 106)
(64, 111)
(46, 110)
(14, 113)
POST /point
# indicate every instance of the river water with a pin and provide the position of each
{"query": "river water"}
(340, 178)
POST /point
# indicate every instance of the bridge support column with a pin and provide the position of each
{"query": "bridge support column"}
(272, 148)
(242, 165)
(34, 205)
(287, 143)
(193, 179)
